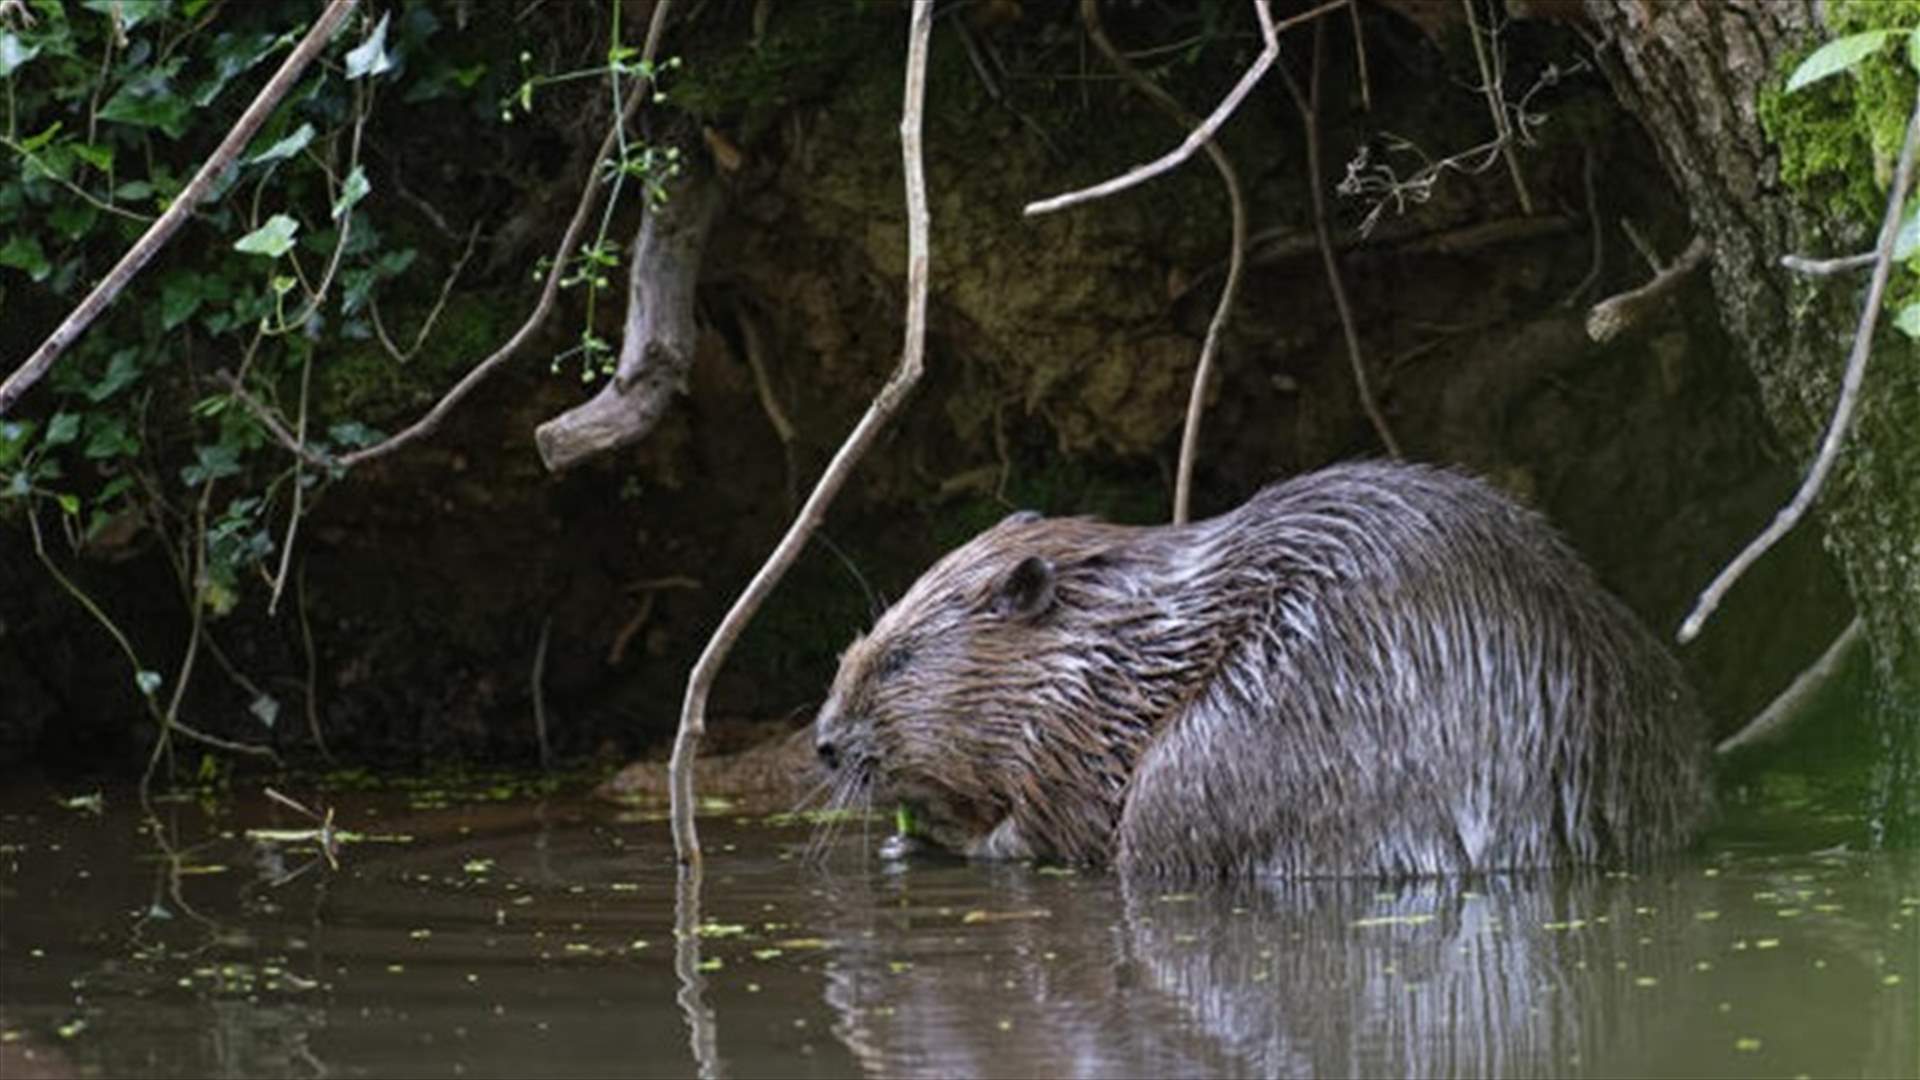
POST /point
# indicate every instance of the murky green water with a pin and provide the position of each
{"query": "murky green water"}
(537, 940)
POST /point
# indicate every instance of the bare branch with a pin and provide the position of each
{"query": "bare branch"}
(1237, 255)
(693, 718)
(1308, 105)
(428, 424)
(1790, 515)
(1619, 313)
(1205, 132)
(161, 231)
(1793, 701)
(1845, 264)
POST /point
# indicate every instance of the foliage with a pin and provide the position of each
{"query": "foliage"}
(1828, 127)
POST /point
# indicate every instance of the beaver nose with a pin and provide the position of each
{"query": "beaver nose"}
(829, 753)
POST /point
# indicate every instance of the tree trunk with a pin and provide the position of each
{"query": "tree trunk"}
(1694, 73)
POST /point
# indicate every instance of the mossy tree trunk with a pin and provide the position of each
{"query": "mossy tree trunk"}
(1696, 75)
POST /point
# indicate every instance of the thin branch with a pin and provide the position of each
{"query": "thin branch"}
(539, 682)
(162, 230)
(1237, 257)
(306, 646)
(433, 316)
(1837, 429)
(1845, 264)
(887, 402)
(299, 489)
(1490, 81)
(1308, 105)
(428, 424)
(1202, 134)
(1792, 703)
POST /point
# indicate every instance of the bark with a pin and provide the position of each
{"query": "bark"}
(1694, 74)
(658, 344)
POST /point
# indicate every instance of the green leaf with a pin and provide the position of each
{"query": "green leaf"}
(180, 296)
(98, 155)
(62, 429)
(22, 252)
(147, 681)
(370, 56)
(1837, 56)
(35, 142)
(110, 439)
(1909, 320)
(265, 709)
(1913, 49)
(13, 440)
(286, 147)
(150, 102)
(273, 239)
(353, 433)
(121, 370)
(133, 191)
(14, 52)
(351, 192)
(69, 503)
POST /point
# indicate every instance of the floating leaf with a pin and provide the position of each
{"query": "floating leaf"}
(1838, 55)
(273, 239)
(286, 147)
(370, 56)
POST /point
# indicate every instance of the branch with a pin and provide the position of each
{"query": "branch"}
(1621, 312)
(1790, 515)
(428, 424)
(162, 230)
(1237, 257)
(1828, 267)
(1309, 106)
(693, 723)
(1204, 133)
(1794, 701)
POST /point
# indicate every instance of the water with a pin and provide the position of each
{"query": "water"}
(532, 938)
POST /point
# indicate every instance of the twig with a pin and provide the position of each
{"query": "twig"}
(1842, 420)
(1308, 105)
(1792, 702)
(1496, 104)
(433, 316)
(306, 645)
(1360, 57)
(271, 420)
(1595, 228)
(299, 489)
(540, 694)
(1607, 319)
(642, 91)
(162, 230)
(1845, 264)
(1201, 134)
(887, 402)
(1236, 259)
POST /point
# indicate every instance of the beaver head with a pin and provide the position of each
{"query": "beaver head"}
(1005, 699)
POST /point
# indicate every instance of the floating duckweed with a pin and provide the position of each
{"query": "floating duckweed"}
(1746, 1044)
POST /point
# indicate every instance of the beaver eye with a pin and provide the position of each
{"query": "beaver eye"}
(894, 660)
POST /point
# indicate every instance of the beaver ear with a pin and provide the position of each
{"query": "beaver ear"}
(1027, 591)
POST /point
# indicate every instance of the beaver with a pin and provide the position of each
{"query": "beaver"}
(1375, 669)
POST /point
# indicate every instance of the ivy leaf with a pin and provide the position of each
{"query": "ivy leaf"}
(147, 681)
(180, 296)
(286, 147)
(370, 56)
(353, 191)
(273, 239)
(62, 429)
(121, 370)
(265, 709)
(69, 503)
(22, 252)
(1838, 55)
(216, 461)
(14, 52)
(13, 440)
(1909, 320)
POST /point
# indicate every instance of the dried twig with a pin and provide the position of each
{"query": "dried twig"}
(1308, 104)
(1202, 134)
(1845, 264)
(1490, 84)
(1236, 259)
(183, 205)
(1837, 428)
(642, 91)
(887, 402)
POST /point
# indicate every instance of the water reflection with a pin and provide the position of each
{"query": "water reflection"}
(1686, 970)
(540, 940)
